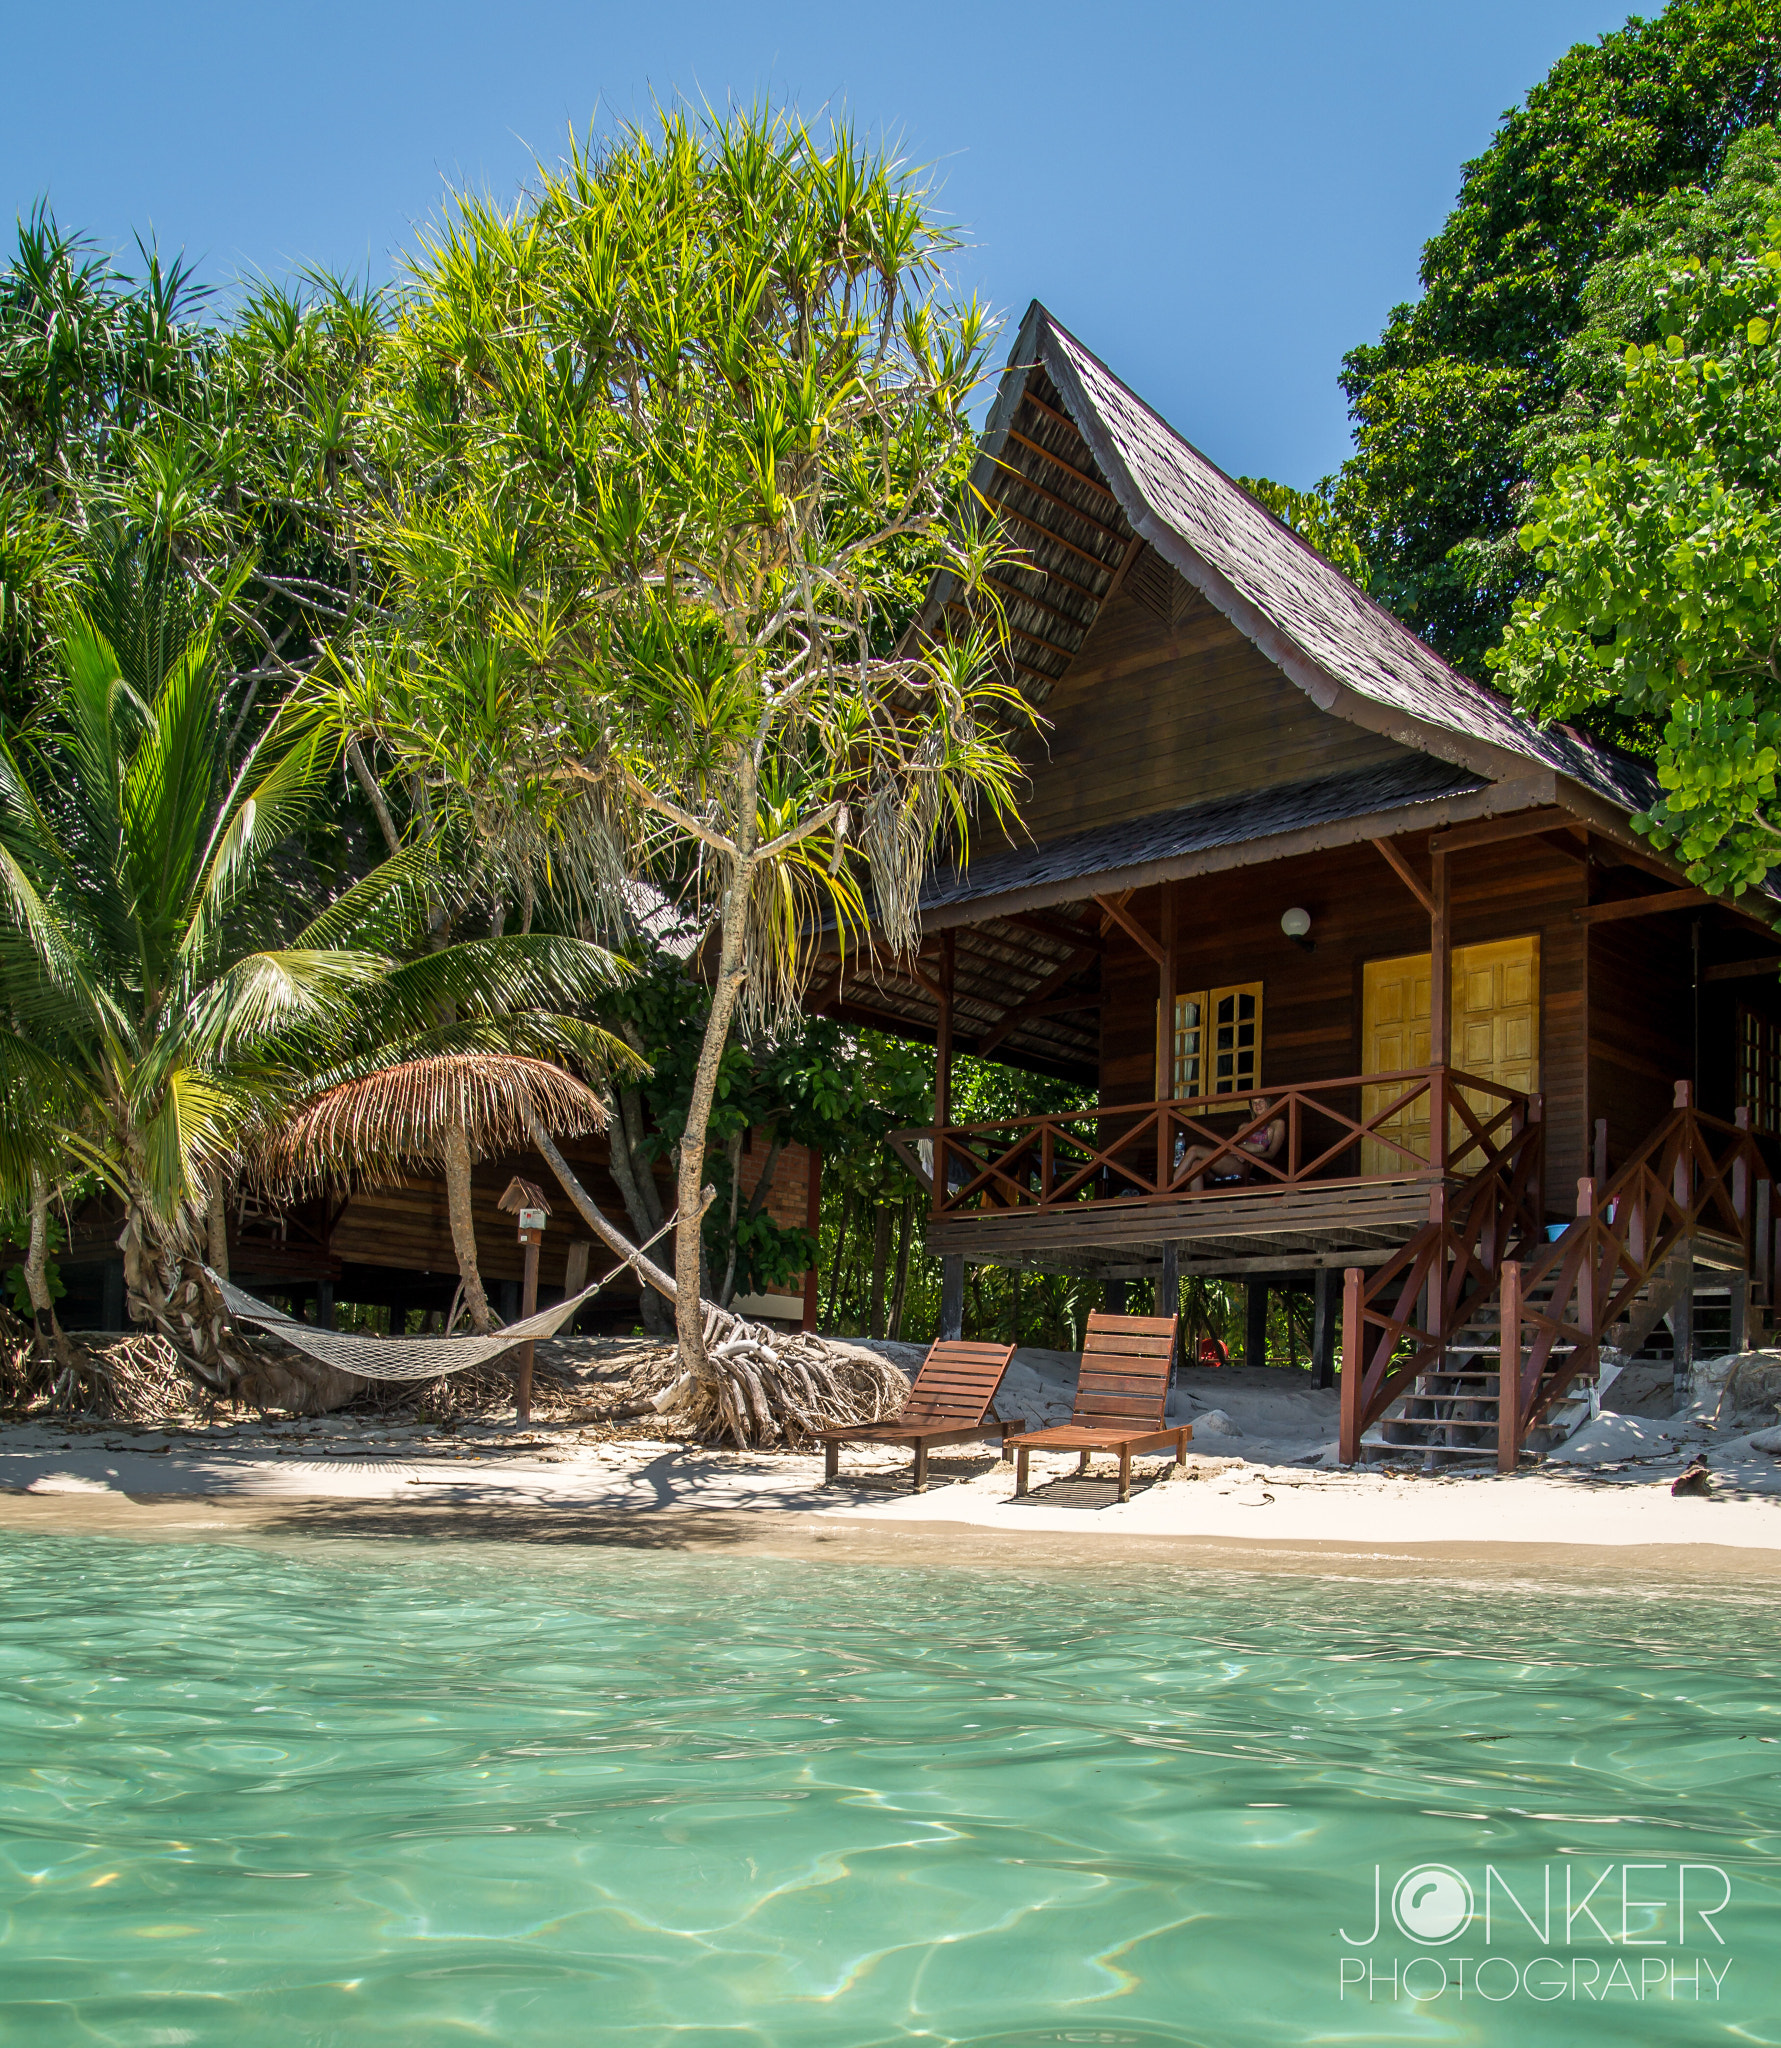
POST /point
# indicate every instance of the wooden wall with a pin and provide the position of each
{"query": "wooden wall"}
(407, 1226)
(1641, 1026)
(1229, 931)
(1161, 710)
(1648, 1030)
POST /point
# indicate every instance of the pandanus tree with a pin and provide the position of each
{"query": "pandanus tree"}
(689, 423)
(174, 978)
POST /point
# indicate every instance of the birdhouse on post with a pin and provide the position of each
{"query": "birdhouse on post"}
(525, 1201)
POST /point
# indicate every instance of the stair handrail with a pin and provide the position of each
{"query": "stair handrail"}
(1678, 1180)
(1622, 1235)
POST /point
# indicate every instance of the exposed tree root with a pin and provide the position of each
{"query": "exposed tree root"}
(763, 1388)
(228, 1362)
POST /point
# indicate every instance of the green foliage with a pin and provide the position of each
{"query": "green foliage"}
(684, 426)
(1660, 546)
(1435, 490)
(682, 431)
(171, 978)
(227, 450)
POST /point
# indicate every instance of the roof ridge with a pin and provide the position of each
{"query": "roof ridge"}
(1296, 601)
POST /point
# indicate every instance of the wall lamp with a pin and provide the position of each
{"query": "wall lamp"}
(1296, 924)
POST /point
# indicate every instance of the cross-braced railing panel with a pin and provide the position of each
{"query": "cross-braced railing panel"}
(1284, 1137)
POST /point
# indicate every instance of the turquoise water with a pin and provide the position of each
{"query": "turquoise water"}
(441, 1794)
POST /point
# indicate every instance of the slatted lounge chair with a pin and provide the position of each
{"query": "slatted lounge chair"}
(1121, 1393)
(948, 1404)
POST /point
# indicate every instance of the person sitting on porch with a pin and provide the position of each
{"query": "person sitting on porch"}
(1235, 1165)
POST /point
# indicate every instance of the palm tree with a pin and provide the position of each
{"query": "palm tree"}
(169, 987)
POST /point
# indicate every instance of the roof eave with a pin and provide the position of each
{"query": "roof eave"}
(1532, 791)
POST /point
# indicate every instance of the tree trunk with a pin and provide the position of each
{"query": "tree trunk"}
(216, 1230)
(48, 1339)
(645, 1268)
(374, 796)
(689, 1225)
(733, 1151)
(900, 1286)
(650, 1211)
(881, 1231)
(636, 1185)
(840, 1265)
(463, 1227)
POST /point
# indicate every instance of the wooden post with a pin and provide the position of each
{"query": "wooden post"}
(1440, 967)
(1255, 1330)
(1763, 1242)
(1741, 1171)
(1509, 1369)
(1168, 1285)
(528, 1307)
(1536, 1180)
(526, 1202)
(1113, 1297)
(1323, 1327)
(943, 1044)
(324, 1304)
(952, 1295)
(1165, 1037)
(813, 1223)
(1682, 1327)
(1352, 1364)
(1586, 1273)
(1599, 1164)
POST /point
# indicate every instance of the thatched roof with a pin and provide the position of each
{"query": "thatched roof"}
(382, 1124)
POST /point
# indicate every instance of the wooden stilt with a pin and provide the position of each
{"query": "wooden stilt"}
(1682, 1328)
(1353, 1280)
(1323, 1327)
(1255, 1335)
(1509, 1369)
(952, 1295)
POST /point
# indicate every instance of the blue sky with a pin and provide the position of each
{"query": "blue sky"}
(1219, 199)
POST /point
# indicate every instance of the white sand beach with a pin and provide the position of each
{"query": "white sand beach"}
(1261, 1476)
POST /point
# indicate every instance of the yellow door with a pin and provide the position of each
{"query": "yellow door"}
(1495, 1035)
(1394, 1035)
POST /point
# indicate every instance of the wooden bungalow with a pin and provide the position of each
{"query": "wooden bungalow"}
(391, 1246)
(1365, 979)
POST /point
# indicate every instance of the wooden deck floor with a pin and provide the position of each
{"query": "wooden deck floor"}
(1242, 1230)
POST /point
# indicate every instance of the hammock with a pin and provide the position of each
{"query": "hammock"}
(396, 1358)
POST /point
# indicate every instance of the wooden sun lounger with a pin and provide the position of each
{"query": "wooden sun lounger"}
(1121, 1395)
(948, 1404)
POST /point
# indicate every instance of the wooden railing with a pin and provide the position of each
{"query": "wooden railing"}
(1156, 1151)
(1555, 1303)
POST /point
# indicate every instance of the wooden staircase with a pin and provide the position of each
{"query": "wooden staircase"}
(1452, 1414)
(1689, 1216)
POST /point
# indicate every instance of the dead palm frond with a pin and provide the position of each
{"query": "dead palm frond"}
(383, 1124)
